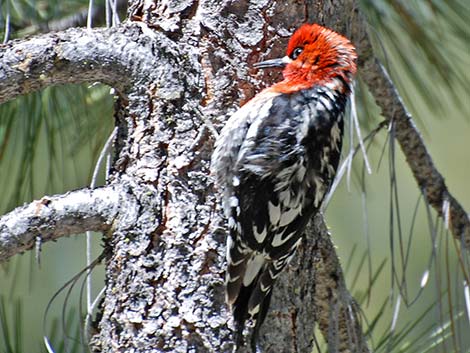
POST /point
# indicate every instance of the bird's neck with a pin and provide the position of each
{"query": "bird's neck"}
(292, 84)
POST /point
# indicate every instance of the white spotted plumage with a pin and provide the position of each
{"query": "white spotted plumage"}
(292, 180)
(275, 160)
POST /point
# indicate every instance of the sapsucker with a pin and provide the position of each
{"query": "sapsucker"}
(275, 160)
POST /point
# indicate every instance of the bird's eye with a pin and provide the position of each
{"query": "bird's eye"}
(295, 54)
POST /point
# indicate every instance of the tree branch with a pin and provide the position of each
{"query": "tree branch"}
(56, 216)
(110, 56)
(429, 179)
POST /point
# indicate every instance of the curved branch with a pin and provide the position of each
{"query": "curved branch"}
(110, 56)
(57, 216)
(429, 179)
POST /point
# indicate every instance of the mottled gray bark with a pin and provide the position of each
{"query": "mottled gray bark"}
(56, 216)
(73, 56)
(176, 67)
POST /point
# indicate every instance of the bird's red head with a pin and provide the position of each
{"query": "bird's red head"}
(315, 56)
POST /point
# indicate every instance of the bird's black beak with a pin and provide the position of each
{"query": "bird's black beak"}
(280, 62)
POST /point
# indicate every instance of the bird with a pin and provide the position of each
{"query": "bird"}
(275, 160)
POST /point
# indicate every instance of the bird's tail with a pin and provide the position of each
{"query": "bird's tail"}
(249, 281)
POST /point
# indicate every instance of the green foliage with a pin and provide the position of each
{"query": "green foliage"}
(12, 333)
(49, 139)
(425, 38)
(10, 330)
(30, 16)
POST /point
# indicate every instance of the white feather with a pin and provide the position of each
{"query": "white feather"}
(278, 239)
(259, 236)
(253, 267)
(288, 216)
(274, 213)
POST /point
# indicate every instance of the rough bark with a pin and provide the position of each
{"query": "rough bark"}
(178, 66)
(73, 56)
(56, 216)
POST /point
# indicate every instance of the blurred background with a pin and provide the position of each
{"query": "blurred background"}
(400, 262)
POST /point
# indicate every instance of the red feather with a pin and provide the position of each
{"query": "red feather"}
(326, 56)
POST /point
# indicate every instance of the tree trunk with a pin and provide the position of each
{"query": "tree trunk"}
(181, 68)
(164, 276)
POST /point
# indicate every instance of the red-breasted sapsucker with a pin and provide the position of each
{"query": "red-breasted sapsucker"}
(275, 161)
